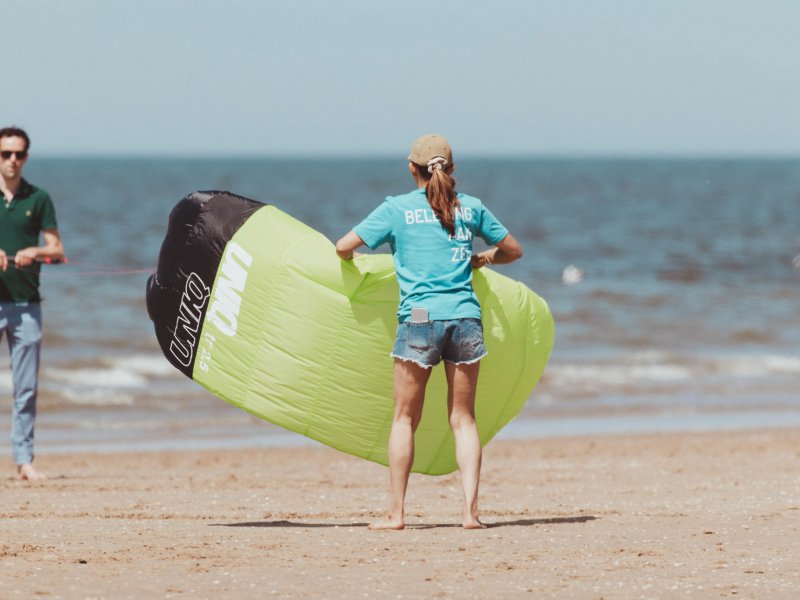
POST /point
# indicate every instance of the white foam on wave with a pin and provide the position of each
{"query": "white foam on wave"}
(658, 368)
(97, 377)
(97, 397)
(756, 366)
(598, 375)
(145, 364)
(111, 381)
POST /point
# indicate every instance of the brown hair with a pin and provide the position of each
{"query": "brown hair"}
(16, 132)
(440, 190)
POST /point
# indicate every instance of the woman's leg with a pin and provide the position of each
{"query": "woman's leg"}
(462, 382)
(409, 394)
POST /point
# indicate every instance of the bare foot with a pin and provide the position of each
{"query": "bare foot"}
(472, 523)
(27, 472)
(388, 524)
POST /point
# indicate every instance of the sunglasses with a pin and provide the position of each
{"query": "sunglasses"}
(20, 154)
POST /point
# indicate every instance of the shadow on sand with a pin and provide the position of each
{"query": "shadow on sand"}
(515, 523)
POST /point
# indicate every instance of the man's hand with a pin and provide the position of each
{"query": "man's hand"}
(26, 257)
(3, 260)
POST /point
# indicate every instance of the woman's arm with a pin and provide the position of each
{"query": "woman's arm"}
(346, 245)
(505, 251)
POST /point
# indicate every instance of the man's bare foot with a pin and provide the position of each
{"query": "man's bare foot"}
(396, 524)
(27, 472)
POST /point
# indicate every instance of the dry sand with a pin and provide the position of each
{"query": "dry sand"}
(651, 516)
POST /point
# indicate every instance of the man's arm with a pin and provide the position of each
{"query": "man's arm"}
(53, 249)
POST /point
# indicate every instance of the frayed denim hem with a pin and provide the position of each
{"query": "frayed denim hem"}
(468, 362)
(424, 366)
(411, 360)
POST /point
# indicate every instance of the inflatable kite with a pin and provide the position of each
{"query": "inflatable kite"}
(256, 307)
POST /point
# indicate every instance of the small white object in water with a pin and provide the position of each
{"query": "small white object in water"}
(796, 262)
(573, 275)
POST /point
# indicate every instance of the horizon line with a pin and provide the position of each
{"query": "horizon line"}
(390, 156)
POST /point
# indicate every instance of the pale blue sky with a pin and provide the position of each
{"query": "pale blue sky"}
(367, 76)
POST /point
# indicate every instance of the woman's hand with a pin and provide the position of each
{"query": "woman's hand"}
(480, 260)
(507, 250)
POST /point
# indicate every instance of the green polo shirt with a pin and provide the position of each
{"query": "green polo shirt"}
(21, 222)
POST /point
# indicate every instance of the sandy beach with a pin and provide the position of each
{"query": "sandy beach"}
(648, 516)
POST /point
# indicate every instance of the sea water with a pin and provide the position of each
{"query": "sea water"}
(673, 283)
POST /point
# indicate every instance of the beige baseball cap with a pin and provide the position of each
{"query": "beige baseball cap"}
(430, 146)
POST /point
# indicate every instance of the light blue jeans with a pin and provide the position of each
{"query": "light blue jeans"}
(22, 324)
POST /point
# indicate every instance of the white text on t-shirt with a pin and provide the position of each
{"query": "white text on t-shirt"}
(426, 215)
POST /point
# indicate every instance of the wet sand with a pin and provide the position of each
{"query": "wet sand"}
(713, 515)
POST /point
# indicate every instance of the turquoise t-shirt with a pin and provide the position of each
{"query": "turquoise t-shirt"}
(433, 268)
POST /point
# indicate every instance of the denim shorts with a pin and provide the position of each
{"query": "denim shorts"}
(458, 341)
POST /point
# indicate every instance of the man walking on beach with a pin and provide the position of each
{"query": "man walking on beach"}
(25, 213)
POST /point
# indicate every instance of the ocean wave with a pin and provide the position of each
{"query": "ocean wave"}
(599, 374)
(110, 377)
(124, 380)
(691, 273)
(756, 366)
(628, 300)
(146, 364)
(753, 336)
(654, 370)
(97, 397)
(107, 381)
(129, 371)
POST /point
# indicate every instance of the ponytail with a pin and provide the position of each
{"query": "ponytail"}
(441, 191)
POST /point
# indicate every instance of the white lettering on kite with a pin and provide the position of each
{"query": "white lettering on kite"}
(227, 300)
(184, 338)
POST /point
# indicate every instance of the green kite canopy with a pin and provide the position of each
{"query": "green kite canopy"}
(255, 306)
